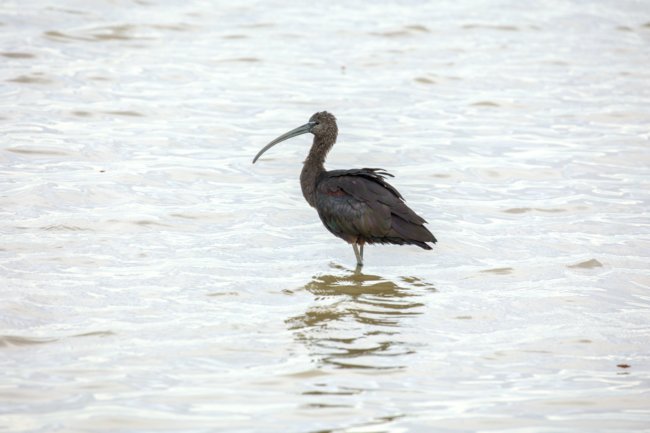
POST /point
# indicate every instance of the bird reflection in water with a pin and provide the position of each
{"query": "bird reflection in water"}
(356, 319)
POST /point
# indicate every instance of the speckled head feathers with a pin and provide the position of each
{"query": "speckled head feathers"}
(324, 126)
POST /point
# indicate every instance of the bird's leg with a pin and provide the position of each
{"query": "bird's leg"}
(361, 244)
(357, 254)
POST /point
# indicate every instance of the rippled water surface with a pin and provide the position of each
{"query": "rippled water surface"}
(152, 279)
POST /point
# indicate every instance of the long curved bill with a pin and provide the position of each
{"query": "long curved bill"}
(298, 131)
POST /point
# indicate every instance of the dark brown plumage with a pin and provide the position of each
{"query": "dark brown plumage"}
(356, 205)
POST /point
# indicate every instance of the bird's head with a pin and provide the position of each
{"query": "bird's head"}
(324, 125)
(321, 124)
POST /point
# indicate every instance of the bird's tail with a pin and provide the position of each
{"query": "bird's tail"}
(411, 233)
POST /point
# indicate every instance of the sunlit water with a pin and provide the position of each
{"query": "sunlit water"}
(152, 279)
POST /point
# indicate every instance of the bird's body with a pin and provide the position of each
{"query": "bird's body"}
(359, 206)
(356, 205)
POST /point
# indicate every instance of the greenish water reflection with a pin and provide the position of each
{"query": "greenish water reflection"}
(356, 318)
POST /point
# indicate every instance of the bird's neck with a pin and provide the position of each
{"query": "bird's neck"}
(312, 168)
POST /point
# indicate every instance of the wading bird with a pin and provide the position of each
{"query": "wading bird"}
(356, 205)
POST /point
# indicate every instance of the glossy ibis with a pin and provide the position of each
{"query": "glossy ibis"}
(356, 205)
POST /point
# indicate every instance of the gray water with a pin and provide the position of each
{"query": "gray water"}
(152, 279)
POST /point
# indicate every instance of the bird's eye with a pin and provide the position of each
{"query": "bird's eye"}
(317, 122)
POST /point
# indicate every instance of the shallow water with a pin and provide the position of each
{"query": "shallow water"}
(152, 279)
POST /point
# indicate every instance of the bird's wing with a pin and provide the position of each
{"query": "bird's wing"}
(360, 202)
(376, 188)
(348, 208)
